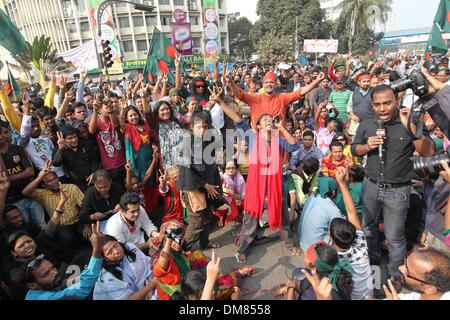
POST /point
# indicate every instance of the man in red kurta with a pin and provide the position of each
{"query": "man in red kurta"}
(270, 103)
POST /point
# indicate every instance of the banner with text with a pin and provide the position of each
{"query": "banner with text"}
(108, 33)
(211, 32)
(321, 46)
(82, 57)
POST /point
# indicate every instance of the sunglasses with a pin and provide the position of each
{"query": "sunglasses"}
(412, 277)
(33, 264)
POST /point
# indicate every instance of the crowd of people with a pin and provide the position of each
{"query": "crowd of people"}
(109, 190)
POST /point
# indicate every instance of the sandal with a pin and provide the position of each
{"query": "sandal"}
(240, 257)
(247, 271)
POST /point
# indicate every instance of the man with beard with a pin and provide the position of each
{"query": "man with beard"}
(426, 273)
(43, 278)
(360, 103)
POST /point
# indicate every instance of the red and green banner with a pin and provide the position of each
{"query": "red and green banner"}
(436, 43)
(161, 58)
(12, 89)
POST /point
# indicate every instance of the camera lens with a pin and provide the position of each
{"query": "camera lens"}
(432, 165)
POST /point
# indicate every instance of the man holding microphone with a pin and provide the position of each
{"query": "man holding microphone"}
(388, 146)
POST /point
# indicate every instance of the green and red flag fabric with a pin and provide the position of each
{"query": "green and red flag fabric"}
(11, 89)
(441, 25)
(161, 58)
(10, 37)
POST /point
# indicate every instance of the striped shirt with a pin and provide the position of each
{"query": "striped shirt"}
(340, 100)
(72, 207)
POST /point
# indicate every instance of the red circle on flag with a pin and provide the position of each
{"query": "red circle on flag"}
(171, 51)
(163, 66)
(448, 15)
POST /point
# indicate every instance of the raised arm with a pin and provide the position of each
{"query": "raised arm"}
(156, 89)
(177, 72)
(305, 90)
(94, 117)
(348, 201)
(28, 191)
(215, 96)
(11, 115)
(4, 186)
(64, 106)
(50, 97)
(317, 114)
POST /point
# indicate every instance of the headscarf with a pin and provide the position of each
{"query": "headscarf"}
(326, 186)
(321, 266)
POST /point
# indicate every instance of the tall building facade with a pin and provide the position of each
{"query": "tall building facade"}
(66, 22)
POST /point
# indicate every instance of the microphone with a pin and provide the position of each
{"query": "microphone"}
(381, 133)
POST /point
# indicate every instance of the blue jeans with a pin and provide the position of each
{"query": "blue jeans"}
(394, 203)
(32, 212)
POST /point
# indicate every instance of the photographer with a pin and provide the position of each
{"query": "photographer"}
(389, 171)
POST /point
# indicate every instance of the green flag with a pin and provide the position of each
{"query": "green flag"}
(12, 89)
(441, 24)
(10, 36)
(161, 58)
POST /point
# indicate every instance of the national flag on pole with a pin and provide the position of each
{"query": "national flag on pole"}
(161, 58)
(10, 36)
(441, 24)
(11, 89)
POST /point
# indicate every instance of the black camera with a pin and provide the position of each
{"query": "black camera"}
(431, 165)
(416, 80)
(175, 234)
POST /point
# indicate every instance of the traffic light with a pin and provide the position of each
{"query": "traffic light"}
(107, 54)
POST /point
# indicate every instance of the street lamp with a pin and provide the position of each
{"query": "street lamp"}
(105, 4)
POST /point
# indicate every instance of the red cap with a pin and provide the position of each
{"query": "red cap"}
(270, 76)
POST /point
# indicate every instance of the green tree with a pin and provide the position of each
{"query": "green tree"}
(239, 34)
(357, 15)
(274, 49)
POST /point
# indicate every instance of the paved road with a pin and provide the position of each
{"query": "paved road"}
(273, 262)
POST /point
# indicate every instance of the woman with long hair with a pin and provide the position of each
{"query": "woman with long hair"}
(170, 132)
(126, 273)
(142, 152)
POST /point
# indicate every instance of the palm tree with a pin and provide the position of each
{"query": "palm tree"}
(356, 15)
(40, 57)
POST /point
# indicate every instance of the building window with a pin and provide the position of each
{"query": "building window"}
(128, 46)
(142, 45)
(196, 42)
(166, 20)
(84, 26)
(138, 21)
(194, 21)
(81, 4)
(164, 2)
(150, 20)
(223, 42)
(178, 2)
(124, 22)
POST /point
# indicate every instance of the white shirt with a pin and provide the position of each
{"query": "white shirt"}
(416, 296)
(217, 117)
(123, 232)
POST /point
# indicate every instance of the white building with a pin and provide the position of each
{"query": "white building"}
(66, 23)
(332, 13)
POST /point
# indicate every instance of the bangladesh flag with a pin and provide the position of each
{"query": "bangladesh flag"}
(10, 36)
(441, 24)
(161, 58)
(12, 89)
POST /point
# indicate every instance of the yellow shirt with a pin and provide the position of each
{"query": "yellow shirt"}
(72, 207)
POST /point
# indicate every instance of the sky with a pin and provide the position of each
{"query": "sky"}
(410, 13)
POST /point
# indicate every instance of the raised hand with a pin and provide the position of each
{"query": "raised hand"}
(216, 92)
(177, 61)
(341, 174)
(322, 287)
(277, 122)
(128, 166)
(213, 267)
(64, 195)
(391, 293)
(97, 240)
(320, 77)
(61, 141)
(69, 95)
(46, 169)
(4, 182)
(162, 179)
(156, 152)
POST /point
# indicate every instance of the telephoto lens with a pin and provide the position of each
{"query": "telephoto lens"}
(431, 165)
